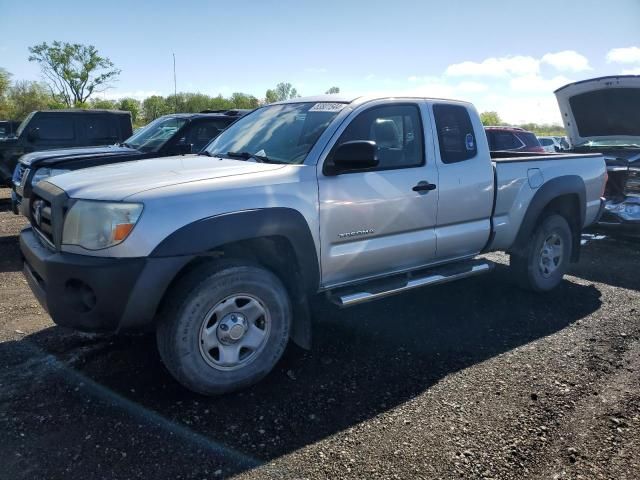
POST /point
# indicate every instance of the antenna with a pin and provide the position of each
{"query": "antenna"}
(175, 85)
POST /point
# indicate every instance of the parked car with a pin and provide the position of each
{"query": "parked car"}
(8, 128)
(51, 129)
(564, 143)
(550, 144)
(512, 139)
(357, 198)
(182, 133)
(603, 115)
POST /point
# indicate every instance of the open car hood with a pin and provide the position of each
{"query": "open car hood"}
(601, 109)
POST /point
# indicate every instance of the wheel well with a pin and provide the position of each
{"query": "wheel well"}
(277, 254)
(568, 206)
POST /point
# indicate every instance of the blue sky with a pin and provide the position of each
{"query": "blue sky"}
(503, 55)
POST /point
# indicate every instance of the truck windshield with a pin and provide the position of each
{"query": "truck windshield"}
(153, 136)
(276, 133)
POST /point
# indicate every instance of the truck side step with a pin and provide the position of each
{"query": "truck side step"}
(364, 292)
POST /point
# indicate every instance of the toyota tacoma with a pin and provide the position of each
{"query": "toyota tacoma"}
(355, 198)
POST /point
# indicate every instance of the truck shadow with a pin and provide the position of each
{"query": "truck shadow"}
(610, 260)
(365, 360)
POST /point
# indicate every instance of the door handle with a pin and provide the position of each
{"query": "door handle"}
(424, 187)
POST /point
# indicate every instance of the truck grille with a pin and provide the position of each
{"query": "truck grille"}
(42, 219)
(633, 181)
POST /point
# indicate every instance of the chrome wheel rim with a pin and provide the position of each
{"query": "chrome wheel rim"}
(234, 332)
(551, 255)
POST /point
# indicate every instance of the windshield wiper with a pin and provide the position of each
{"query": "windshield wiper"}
(247, 156)
(125, 144)
(207, 154)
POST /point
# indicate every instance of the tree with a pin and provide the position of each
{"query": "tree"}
(25, 97)
(490, 118)
(73, 71)
(130, 105)
(283, 91)
(333, 90)
(270, 96)
(242, 100)
(5, 82)
(103, 104)
(154, 107)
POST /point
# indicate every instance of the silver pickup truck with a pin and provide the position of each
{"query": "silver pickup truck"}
(354, 197)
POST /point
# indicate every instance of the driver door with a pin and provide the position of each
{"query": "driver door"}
(373, 222)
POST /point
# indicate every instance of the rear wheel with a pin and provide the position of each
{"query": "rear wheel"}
(224, 327)
(542, 265)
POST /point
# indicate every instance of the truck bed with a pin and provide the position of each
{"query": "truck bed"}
(511, 156)
(519, 176)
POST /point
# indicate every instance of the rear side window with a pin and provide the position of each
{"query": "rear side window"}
(100, 129)
(529, 139)
(504, 141)
(546, 142)
(51, 128)
(455, 133)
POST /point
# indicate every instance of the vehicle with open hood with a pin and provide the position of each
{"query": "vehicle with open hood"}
(356, 198)
(603, 115)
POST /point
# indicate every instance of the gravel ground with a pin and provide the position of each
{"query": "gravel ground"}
(474, 379)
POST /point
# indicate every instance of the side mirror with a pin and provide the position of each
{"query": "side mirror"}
(184, 148)
(354, 155)
(33, 135)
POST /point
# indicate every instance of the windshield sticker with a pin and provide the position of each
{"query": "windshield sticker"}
(468, 140)
(327, 107)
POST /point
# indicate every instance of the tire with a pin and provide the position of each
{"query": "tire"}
(540, 268)
(212, 336)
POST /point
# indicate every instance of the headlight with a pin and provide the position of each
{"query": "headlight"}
(96, 225)
(43, 173)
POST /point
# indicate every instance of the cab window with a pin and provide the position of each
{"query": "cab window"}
(397, 132)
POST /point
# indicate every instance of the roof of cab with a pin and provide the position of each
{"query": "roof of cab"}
(342, 98)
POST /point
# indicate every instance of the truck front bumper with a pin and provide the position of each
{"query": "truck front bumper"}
(622, 215)
(96, 293)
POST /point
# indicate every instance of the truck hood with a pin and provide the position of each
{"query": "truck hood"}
(601, 109)
(120, 180)
(44, 156)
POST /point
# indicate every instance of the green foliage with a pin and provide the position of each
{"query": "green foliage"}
(242, 100)
(5, 82)
(25, 97)
(333, 91)
(73, 71)
(132, 105)
(283, 91)
(154, 107)
(491, 118)
(103, 104)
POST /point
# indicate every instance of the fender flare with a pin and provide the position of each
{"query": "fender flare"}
(554, 188)
(202, 237)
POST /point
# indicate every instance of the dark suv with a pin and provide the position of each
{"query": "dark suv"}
(176, 134)
(512, 139)
(51, 129)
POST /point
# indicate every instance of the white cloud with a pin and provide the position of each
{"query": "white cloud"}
(567, 60)
(624, 55)
(472, 87)
(537, 84)
(495, 67)
(370, 77)
(631, 71)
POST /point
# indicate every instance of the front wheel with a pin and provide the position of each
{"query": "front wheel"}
(224, 328)
(542, 265)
